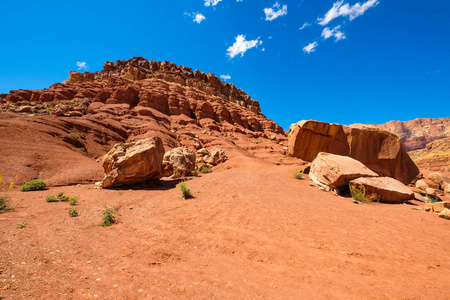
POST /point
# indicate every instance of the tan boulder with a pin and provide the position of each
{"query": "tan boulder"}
(440, 206)
(381, 151)
(307, 138)
(337, 171)
(179, 161)
(218, 156)
(128, 163)
(430, 191)
(421, 184)
(445, 214)
(389, 190)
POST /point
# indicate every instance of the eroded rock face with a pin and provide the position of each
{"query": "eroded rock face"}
(435, 156)
(388, 189)
(415, 134)
(337, 171)
(307, 138)
(381, 151)
(180, 161)
(129, 163)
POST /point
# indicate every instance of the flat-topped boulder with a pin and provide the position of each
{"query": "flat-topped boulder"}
(307, 138)
(337, 171)
(389, 190)
(129, 163)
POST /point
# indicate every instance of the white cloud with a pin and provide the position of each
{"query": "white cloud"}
(225, 77)
(346, 10)
(275, 11)
(241, 46)
(310, 47)
(335, 32)
(304, 26)
(199, 18)
(82, 65)
(211, 2)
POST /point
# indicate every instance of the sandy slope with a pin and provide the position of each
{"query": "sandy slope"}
(252, 231)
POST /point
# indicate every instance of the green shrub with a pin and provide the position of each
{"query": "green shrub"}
(185, 191)
(60, 194)
(73, 200)
(21, 225)
(33, 185)
(4, 200)
(205, 169)
(358, 194)
(299, 174)
(73, 212)
(109, 216)
(51, 199)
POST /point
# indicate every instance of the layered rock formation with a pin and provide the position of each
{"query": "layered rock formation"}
(141, 87)
(435, 156)
(415, 134)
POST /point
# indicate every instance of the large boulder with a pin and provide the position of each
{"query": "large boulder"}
(128, 163)
(336, 171)
(180, 161)
(389, 190)
(381, 151)
(307, 138)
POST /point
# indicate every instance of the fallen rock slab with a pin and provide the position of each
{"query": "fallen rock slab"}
(129, 163)
(388, 189)
(337, 171)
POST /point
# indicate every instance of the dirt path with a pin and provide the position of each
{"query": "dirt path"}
(252, 231)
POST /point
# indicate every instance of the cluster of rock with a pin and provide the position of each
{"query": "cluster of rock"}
(438, 184)
(379, 150)
(146, 88)
(337, 173)
(211, 158)
(135, 162)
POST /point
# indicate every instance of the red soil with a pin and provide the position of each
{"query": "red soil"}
(252, 231)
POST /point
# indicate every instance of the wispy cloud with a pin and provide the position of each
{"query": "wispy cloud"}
(304, 26)
(82, 65)
(310, 47)
(211, 2)
(345, 10)
(225, 77)
(241, 45)
(335, 32)
(275, 11)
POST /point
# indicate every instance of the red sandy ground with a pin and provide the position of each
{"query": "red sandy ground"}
(252, 231)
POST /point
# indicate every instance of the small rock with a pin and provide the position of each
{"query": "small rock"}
(421, 184)
(445, 214)
(25, 109)
(440, 206)
(430, 191)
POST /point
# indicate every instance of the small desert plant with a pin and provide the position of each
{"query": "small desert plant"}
(176, 175)
(4, 200)
(73, 212)
(21, 225)
(185, 191)
(76, 136)
(109, 216)
(431, 198)
(51, 199)
(358, 194)
(33, 185)
(205, 169)
(60, 194)
(73, 200)
(299, 174)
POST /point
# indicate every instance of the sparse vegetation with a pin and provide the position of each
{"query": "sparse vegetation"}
(205, 169)
(76, 136)
(299, 174)
(176, 175)
(109, 216)
(73, 200)
(51, 199)
(21, 225)
(73, 212)
(33, 185)
(4, 200)
(185, 191)
(359, 194)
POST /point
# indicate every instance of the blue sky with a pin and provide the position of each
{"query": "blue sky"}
(370, 61)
